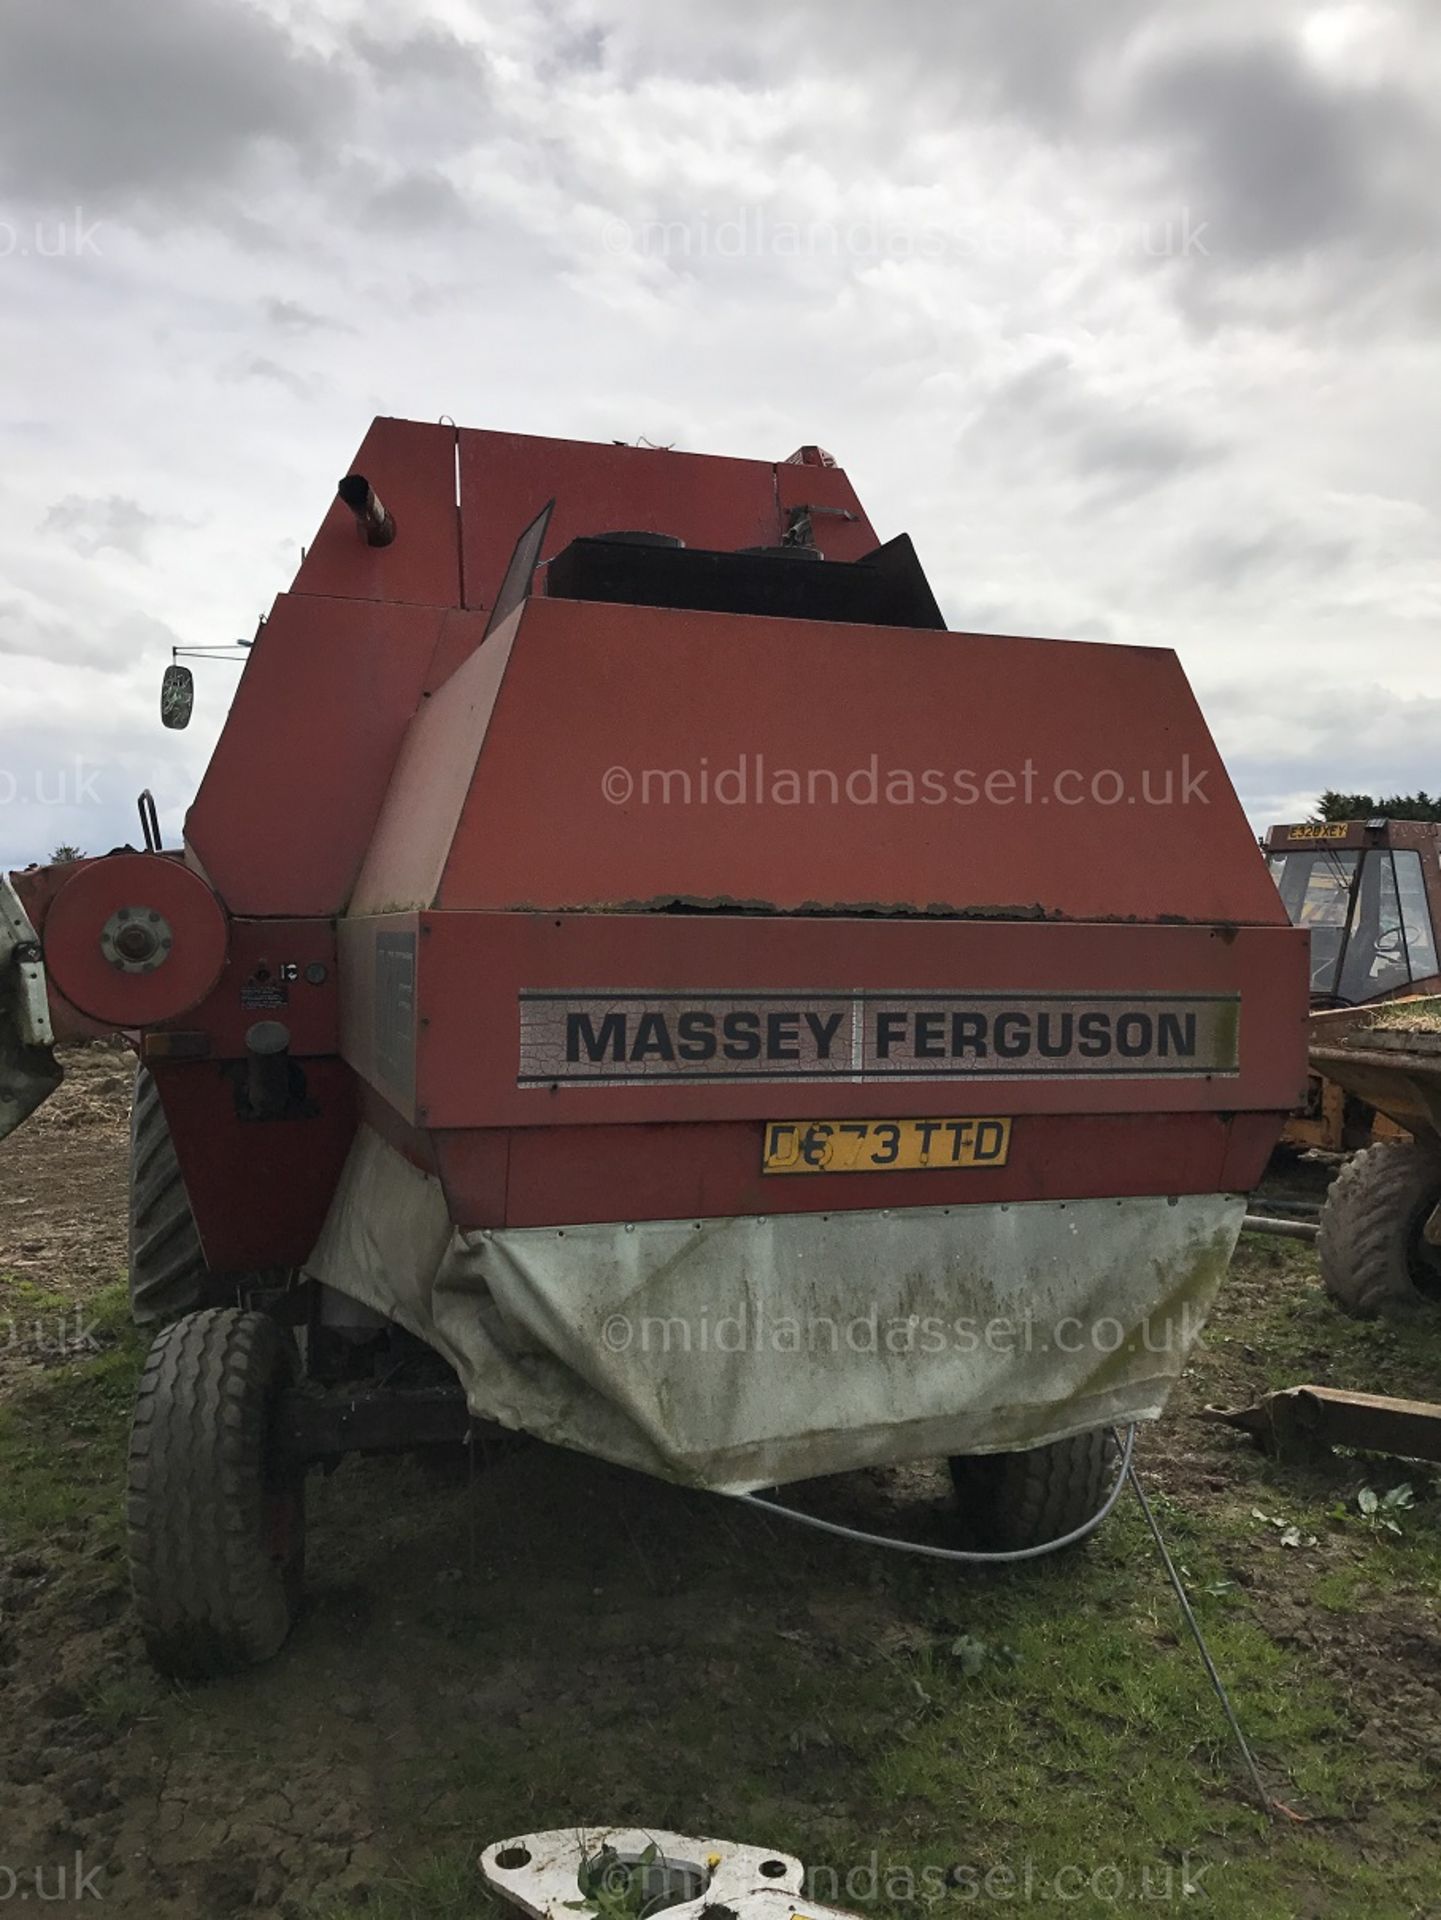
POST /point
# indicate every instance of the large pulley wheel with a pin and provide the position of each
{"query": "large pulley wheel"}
(1009, 1501)
(216, 1515)
(1375, 1256)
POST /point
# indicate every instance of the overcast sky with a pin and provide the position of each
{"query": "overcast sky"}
(1129, 314)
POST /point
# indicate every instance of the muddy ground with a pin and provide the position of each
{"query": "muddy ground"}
(559, 1642)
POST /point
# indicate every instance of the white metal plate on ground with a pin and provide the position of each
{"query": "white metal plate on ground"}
(541, 1873)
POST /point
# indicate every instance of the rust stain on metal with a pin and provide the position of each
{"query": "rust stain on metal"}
(1029, 910)
(672, 903)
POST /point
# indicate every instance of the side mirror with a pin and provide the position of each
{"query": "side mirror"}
(177, 696)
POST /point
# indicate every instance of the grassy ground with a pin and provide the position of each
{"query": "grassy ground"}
(1420, 1016)
(562, 1644)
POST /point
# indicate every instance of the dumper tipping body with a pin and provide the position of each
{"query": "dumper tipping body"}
(748, 1028)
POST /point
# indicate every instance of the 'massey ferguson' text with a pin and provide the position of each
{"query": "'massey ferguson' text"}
(870, 1036)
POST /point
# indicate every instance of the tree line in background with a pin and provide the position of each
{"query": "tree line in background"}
(1362, 806)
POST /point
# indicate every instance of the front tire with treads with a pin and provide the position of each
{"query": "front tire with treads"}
(1374, 1254)
(216, 1518)
(1006, 1502)
(168, 1275)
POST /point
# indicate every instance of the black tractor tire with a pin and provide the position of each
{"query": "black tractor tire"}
(1374, 1258)
(1006, 1502)
(216, 1520)
(168, 1275)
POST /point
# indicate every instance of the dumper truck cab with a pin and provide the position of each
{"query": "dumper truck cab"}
(1368, 892)
(633, 976)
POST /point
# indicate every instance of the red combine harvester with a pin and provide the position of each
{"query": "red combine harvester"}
(617, 984)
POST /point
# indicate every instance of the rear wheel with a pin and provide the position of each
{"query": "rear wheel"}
(168, 1275)
(1375, 1257)
(1009, 1501)
(216, 1518)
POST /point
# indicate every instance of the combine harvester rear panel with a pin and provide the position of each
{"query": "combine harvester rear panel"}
(690, 990)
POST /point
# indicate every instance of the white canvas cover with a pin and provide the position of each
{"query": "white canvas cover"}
(741, 1353)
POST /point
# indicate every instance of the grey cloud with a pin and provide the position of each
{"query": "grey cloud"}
(16, 629)
(1278, 160)
(133, 99)
(1200, 109)
(416, 201)
(1048, 412)
(259, 367)
(68, 784)
(583, 49)
(88, 525)
(1357, 738)
(1032, 56)
(1244, 558)
(291, 316)
(429, 54)
(1139, 449)
(109, 646)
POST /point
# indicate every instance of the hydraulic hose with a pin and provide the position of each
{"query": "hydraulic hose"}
(967, 1557)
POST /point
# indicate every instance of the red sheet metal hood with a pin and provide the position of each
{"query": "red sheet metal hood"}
(598, 757)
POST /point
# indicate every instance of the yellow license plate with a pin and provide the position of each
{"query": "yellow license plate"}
(883, 1146)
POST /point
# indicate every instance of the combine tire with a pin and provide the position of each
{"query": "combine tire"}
(216, 1523)
(168, 1275)
(1007, 1501)
(1374, 1258)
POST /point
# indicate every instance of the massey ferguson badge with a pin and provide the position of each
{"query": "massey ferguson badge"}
(615, 1038)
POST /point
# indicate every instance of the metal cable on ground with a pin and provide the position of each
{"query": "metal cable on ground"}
(1268, 1805)
(967, 1556)
(972, 1557)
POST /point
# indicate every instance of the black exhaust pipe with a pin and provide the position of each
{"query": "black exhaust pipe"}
(370, 515)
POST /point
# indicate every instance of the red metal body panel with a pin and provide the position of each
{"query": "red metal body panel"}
(259, 1190)
(417, 822)
(564, 1176)
(594, 691)
(1251, 1144)
(460, 635)
(285, 811)
(412, 468)
(506, 478)
(471, 969)
(265, 979)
